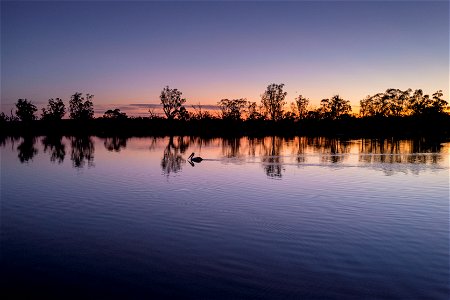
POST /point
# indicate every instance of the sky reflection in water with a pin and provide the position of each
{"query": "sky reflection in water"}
(262, 218)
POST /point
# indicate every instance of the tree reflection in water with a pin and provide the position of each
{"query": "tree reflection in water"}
(233, 151)
(272, 153)
(172, 160)
(331, 149)
(12, 140)
(3, 140)
(56, 147)
(271, 159)
(231, 147)
(26, 149)
(115, 143)
(419, 151)
(400, 151)
(82, 151)
(252, 143)
(302, 145)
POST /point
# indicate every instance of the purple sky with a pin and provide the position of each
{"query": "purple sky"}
(126, 52)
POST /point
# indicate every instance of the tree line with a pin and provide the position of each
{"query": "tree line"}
(391, 103)
(80, 108)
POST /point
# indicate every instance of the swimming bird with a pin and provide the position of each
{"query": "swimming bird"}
(195, 159)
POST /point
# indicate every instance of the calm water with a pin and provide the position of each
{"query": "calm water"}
(257, 218)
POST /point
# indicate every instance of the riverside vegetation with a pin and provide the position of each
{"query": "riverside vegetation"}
(391, 113)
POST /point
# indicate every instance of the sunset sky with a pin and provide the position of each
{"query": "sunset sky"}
(126, 52)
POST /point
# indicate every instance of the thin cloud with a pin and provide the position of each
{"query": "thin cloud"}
(146, 105)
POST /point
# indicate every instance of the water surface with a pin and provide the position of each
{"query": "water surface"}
(315, 218)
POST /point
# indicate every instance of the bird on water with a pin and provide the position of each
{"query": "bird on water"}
(195, 159)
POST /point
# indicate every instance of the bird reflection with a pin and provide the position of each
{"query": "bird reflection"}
(197, 159)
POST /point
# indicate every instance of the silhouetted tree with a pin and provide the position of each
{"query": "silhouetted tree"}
(397, 101)
(3, 117)
(232, 109)
(365, 106)
(376, 105)
(393, 102)
(114, 114)
(13, 117)
(55, 110)
(301, 106)
(153, 114)
(273, 101)
(25, 110)
(335, 107)
(290, 115)
(315, 114)
(173, 103)
(200, 114)
(439, 104)
(420, 103)
(56, 146)
(254, 111)
(26, 149)
(183, 114)
(79, 108)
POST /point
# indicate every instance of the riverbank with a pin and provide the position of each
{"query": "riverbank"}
(413, 126)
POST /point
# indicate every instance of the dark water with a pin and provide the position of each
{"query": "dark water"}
(94, 218)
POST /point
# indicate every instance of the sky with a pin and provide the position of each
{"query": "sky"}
(125, 53)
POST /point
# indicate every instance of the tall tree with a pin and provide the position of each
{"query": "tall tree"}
(397, 101)
(173, 103)
(301, 105)
(365, 106)
(439, 104)
(80, 109)
(25, 110)
(419, 103)
(335, 107)
(380, 105)
(393, 102)
(55, 110)
(273, 100)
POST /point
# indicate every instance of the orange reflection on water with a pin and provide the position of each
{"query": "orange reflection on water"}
(273, 154)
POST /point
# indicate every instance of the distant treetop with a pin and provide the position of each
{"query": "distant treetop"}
(80, 109)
